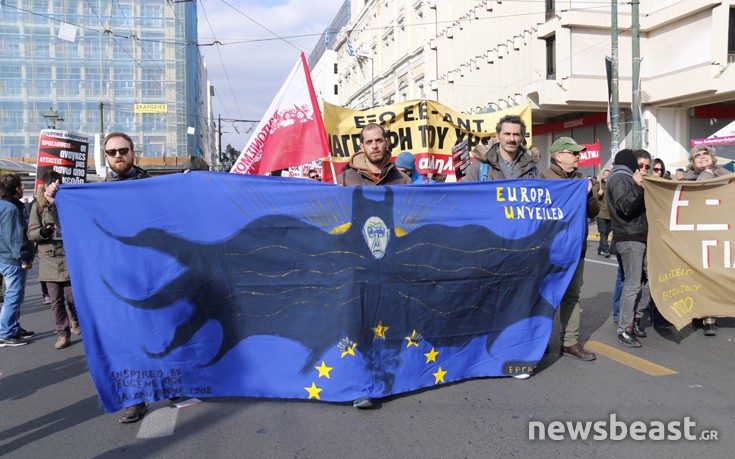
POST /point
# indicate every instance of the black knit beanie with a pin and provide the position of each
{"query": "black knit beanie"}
(626, 158)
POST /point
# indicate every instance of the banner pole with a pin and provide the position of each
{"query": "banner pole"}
(331, 165)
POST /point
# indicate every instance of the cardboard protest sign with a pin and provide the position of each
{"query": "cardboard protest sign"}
(690, 252)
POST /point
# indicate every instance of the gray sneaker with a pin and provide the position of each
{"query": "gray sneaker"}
(12, 342)
(363, 402)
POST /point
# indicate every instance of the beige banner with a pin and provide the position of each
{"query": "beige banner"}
(690, 252)
(422, 127)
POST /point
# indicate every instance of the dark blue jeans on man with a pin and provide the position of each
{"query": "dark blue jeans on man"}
(15, 286)
(604, 227)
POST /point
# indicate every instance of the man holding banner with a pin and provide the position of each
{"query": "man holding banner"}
(565, 154)
(372, 165)
(505, 159)
(627, 207)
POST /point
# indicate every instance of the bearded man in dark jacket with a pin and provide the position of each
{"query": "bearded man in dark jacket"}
(505, 155)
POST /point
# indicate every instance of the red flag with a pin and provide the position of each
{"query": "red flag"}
(590, 156)
(292, 131)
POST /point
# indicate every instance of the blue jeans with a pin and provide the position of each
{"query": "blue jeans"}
(636, 295)
(618, 293)
(603, 227)
(15, 286)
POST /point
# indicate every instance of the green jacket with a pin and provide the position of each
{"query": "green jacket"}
(51, 255)
(604, 212)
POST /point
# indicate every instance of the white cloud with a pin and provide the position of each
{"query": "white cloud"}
(257, 69)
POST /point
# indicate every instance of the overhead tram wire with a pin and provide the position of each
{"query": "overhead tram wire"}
(227, 75)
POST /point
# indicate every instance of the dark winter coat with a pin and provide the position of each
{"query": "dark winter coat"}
(554, 172)
(51, 255)
(490, 154)
(357, 173)
(627, 206)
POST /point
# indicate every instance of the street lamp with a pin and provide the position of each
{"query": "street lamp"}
(52, 117)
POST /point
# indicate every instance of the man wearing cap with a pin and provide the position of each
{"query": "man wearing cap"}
(564, 165)
(406, 163)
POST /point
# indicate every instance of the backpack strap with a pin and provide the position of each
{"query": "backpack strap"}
(484, 169)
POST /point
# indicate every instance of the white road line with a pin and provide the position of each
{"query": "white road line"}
(159, 423)
(589, 260)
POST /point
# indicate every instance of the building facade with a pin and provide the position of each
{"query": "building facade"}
(488, 55)
(127, 65)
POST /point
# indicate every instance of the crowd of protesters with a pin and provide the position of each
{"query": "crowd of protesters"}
(616, 201)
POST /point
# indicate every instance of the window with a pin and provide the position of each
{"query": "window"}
(336, 90)
(550, 9)
(551, 58)
(731, 37)
(335, 68)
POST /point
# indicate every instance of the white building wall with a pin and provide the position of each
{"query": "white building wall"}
(492, 55)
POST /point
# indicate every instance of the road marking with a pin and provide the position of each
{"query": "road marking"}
(633, 362)
(589, 260)
(159, 423)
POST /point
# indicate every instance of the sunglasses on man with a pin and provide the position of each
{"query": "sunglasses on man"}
(115, 151)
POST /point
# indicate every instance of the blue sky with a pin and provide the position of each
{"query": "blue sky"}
(248, 75)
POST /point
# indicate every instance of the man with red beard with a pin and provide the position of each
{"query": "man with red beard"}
(120, 156)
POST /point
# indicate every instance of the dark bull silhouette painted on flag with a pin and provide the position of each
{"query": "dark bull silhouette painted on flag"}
(390, 289)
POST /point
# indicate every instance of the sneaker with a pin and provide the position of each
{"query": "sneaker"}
(638, 329)
(13, 342)
(25, 333)
(628, 338)
(75, 328)
(46, 299)
(363, 402)
(62, 342)
(133, 413)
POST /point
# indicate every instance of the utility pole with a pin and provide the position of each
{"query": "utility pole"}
(635, 105)
(102, 119)
(615, 102)
(219, 138)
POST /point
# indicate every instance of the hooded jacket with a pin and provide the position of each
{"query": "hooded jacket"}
(695, 175)
(15, 248)
(626, 205)
(357, 173)
(555, 172)
(496, 171)
(51, 255)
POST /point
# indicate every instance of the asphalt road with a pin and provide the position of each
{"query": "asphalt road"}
(49, 408)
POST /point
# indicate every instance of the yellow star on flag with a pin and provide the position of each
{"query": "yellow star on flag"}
(411, 340)
(324, 370)
(380, 330)
(439, 375)
(313, 391)
(431, 356)
(350, 350)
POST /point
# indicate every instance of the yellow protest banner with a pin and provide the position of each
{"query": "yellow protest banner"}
(690, 248)
(425, 128)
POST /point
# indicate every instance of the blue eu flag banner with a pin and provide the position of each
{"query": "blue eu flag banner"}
(212, 284)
